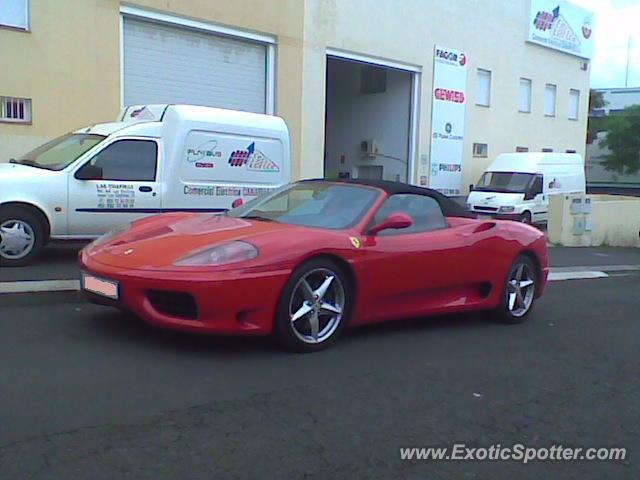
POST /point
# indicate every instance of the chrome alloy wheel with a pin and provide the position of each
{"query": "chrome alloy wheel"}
(17, 239)
(316, 305)
(521, 288)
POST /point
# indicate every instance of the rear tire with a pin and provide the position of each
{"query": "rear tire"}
(314, 306)
(518, 291)
(22, 236)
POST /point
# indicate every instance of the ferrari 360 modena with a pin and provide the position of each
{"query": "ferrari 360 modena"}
(307, 260)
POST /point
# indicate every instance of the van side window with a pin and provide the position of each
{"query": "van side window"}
(537, 186)
(425, 212)
(130, 160)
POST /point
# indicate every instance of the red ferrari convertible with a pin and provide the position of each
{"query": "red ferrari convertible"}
(310, 258)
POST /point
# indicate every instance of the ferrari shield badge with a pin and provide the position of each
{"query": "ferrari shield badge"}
(355, 241)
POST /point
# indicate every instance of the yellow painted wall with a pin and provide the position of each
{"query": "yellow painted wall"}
(69, 63)
(615, 222)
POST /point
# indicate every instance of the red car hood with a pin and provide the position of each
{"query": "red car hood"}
(157, 242)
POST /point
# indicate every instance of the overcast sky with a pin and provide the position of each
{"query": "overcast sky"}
(616, 21)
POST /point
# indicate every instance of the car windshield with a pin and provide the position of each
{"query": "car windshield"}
(312, 204)
(504, 182)
(60, 152)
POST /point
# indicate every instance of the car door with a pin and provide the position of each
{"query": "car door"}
(117, 185)
(417, 270)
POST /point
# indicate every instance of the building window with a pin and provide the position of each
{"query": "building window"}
(525, 95)
(550, 100)
(483, 88)
(547, 150)
(522, 149)
(14, 14)
(480, 150)
(15, 110)
(574, 104)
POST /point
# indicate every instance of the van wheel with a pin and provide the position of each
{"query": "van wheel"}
(21, 236)
(526, 217)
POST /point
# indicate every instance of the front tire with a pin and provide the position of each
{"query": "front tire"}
(22, 236)
(519, 291)
(314, 306)
(526, 218)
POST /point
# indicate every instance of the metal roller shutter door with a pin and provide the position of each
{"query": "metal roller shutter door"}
(168, 64)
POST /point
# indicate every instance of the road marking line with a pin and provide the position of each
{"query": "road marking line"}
(579, 275)
(602, 268)
(40, 286)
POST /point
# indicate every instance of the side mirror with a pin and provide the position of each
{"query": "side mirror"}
(471, 187)
(395, 221)
(89, 172)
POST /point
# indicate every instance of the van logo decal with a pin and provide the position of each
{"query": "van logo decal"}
(554, 183)
(255, 160)
(207, 151)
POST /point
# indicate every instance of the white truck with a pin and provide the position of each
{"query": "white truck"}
(517, 185)
(154, 159)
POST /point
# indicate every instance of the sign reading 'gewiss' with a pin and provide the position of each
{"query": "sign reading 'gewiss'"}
(562, 26)
(447, 119)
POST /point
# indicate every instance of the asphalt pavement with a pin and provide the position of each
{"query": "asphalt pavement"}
(88, 392)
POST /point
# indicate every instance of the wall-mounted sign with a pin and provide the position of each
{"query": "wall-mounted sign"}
(448, 102)
(562, 26)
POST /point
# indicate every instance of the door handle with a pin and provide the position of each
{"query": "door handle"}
(145, 189)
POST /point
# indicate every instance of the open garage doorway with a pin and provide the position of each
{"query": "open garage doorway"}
(369, 123)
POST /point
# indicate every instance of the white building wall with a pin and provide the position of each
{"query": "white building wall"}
(492, 32)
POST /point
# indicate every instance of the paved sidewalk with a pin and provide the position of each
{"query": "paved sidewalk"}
(593, 256)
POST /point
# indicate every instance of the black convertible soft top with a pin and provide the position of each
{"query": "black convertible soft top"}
(449, 207)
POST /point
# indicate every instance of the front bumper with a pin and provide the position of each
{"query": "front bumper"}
(498, 216)
(234, 302)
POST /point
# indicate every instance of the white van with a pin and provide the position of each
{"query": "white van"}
(156, 158)
(517, 185)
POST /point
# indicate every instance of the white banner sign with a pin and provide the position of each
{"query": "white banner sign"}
(447, 119)
(562, 26)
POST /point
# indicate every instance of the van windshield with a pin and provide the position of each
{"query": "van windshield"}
(60, 152)
(504, 182)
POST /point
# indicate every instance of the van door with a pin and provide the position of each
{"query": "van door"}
(117, 185)
(539, 202)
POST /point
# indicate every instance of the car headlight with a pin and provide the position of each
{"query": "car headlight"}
(506, 209)
(468, 206)
(111, 234)
(224, 254)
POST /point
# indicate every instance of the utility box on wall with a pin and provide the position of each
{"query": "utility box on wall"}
(580, 209)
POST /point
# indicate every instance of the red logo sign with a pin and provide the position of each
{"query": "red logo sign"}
(449, 95)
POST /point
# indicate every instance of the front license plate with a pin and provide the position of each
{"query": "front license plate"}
(482, 216)
(100, 286)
